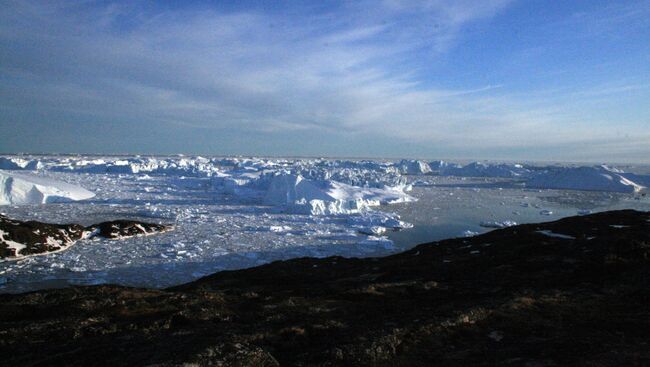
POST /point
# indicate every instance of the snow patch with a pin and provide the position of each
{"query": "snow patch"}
(555, 235)
(494, 224)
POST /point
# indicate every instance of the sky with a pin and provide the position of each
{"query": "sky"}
(484, 79)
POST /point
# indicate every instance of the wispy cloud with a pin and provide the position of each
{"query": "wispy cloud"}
(353, 70)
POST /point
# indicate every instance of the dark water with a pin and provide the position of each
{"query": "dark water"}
(453, 205)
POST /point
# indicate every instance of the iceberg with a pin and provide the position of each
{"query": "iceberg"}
(18, 164)
(18, 189)
(598, 178)
(367, 221)
(413, 167)
(639, 179)
(480, 169)
(325, 197)
(197, 166)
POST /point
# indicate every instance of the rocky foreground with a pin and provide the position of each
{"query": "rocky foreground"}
(27, 238)
(571, 292)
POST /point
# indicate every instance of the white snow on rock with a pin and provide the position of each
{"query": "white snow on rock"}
(555, 235)
(599, 178)
(495, 224)
(469, 233)
(17, 189)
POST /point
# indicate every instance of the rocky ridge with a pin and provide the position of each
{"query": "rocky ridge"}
(571, 292)
(25, 238)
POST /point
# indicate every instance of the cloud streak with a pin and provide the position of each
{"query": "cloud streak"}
(351, 72)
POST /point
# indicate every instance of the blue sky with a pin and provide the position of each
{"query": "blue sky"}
(493, 79)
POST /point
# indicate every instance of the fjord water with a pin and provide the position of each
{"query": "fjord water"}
(455, 207)
(222, 218)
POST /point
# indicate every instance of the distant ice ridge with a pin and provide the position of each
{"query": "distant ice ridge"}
(598, 178)
(413, 167)
(246, 177)
(480, 169)
(18, 189)
(197, 166)
(474, 169)
(15, 163)
(587, 178)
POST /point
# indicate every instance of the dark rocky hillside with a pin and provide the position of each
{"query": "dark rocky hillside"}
(574, 292)
(19, 239)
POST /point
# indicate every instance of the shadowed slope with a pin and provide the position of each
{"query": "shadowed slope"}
(571, 292)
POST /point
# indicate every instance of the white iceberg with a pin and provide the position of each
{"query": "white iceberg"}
(15, 163)
(413, 167)
(643, 180)
(367, 221)
(18, 189)
(323, 197)
(197, 166)
(599, 178)
(480, 169)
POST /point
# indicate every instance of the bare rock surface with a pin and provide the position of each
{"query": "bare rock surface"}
(25, 238)
(571, 292)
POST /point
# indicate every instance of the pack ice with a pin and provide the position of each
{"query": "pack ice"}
(17, 189)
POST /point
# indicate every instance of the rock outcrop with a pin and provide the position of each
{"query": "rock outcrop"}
(24, 238)
(571, 292)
